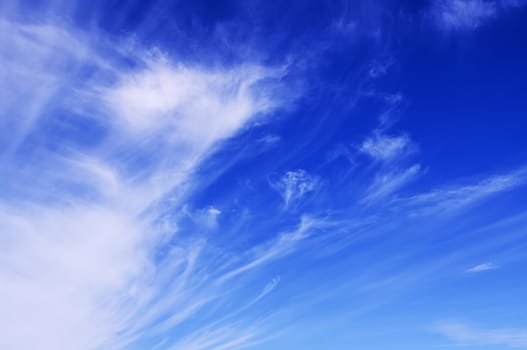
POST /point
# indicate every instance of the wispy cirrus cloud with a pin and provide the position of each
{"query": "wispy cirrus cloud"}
(379, 68)
(465, 15)
(206, 218)
(387, 148)
(282, 246)
(387, 183)
(389, 153)
(482, 267)
(449, 198)
(114, 236)
(80, 247)
(465, 334)
(294, 185)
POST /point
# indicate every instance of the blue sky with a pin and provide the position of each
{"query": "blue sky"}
(214, 175)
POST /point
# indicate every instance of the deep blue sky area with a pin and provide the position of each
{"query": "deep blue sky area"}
(220, 175)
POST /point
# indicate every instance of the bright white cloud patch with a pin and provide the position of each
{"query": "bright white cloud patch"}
(179, 101)
(78, 263)
(64, 272)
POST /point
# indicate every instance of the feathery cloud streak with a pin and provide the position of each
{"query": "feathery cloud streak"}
(151, 194)
(514, 338)
(482, 267)
(79, 263)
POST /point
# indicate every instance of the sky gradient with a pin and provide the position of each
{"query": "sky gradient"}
(220, 175)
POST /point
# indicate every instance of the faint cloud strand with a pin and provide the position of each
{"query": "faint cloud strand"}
(464, 334)
(455, 197)
(385, 184)
(482, 267)
(283, 245)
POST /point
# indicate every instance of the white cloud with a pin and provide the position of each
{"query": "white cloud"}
(386, 148)
(78, 261)
(456, 197)
(58, 265)
(482, 267)
(269, 287)
(33, 59)
(464, 14)
(461, 333)
(179, 100)
(206, 218)
(269, 139)
(512, 3)
(186, 110)
(294, 184)
(385, 184)
(280, 247)
(380, 68)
